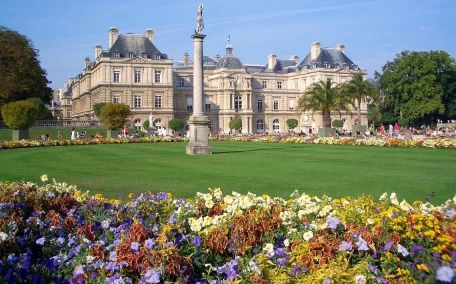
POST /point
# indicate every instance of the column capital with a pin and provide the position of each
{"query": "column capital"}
(198, 36)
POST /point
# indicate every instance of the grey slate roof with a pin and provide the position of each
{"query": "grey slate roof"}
(254, 68)
(230, 61)
(282, 66)
(135, 43)
(332, 56)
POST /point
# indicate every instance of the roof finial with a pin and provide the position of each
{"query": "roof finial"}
(228, 39)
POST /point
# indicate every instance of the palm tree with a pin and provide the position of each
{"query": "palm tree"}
(324, 97)
(359, 90)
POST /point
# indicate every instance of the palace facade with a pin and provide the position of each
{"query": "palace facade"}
(133, 71)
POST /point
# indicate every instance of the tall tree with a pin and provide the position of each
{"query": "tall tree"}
(358, 89)
(21, 76)
(421, 86)
(324, 97)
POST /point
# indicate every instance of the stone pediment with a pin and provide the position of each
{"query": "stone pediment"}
(137, 60)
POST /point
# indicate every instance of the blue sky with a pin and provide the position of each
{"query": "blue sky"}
(373, 32)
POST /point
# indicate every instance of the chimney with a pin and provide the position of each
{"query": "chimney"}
(294, 58)
(217, 58)
(272, 60)
(113, 34)
(86, 62)
(98, 49)
(186, 61)
(340, 47)
(315, 48)
(150, 35)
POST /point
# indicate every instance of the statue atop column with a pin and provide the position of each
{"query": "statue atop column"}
(199, 20)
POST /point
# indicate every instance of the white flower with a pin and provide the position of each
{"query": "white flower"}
(454, 199)
(44, 178)
(360, 279)
(370, 221)
(393, 199)
(402, 250)
(286, 243)
(228, 199)
(90, 259)
(383, 197)
(308, 235)
(195, 224)
(3, 236)
(269, 247)
(218, 193)
(209, 203)
(405, 206)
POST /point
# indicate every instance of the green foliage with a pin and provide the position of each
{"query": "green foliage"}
(114, 115)
(403, 122)
(358, 90)
(21, 76)
(235, 124)
(176, 124)
(337, 123)
(292, 123)
(324, 97)
(43, 112)
(420, 86)
(20, 114)
(97, 108)
(373, 114)
(146, 124)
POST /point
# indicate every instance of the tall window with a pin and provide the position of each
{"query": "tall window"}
(296, 85)
(275, 125)
(291, 104)
(158, 76)
(158, 101)
(181, 81)
(238, 102)
(116, 76)
(260, 125)
(189, 104)
(137, 124)
(137, 76)
(260, 104)
(68, 113)
(279, 85)
(208, 104)
(304, 84)
(137, 102)
(276, 104)
(116, 98)
(265, 84)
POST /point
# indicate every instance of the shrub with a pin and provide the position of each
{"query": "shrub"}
(43, 112)
(403, 122)
(176, 124)
(20, 114)
(292, 123)
(235, 124)
(337, 123)
(97, 108)
(114, 115)
(146, 124)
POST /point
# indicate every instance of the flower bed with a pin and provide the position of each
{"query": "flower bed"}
(55, 233)
(445, 143)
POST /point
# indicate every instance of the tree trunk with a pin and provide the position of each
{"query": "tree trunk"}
(327, 119)
(359, 112)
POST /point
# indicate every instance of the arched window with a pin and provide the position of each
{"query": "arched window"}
(238, 102)
(158, 123)
(260, 125)
(137, 124)
(275, 125)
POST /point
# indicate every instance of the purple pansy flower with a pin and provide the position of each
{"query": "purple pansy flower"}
(345, 246)
(445, 274)
(333, 222)
(362, 244)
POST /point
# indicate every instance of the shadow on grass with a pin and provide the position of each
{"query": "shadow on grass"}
(252, 150)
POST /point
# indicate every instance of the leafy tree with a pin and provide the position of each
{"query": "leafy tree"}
(323, 97)
(420, 86)
(373, 114)
(20, 114)
(43, 112)
(337, 123)
(114, 116)
(21, 76)
(176, 124)
(235, 124)
(97, 108)
(403, 122)
(292, 123)
(358, 89)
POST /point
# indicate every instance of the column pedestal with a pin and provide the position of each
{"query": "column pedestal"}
(199, 133)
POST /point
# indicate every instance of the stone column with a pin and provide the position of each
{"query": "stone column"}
(198, 122)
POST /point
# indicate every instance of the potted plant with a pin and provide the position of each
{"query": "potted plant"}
(114, 116)
(20, 116)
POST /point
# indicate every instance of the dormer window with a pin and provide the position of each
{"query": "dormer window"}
(327, 66)
(143, 55)
(157, 56)
(131, 55)
(116, 54)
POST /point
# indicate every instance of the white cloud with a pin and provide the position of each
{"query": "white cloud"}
(428, 29)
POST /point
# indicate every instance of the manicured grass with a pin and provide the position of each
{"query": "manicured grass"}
(261, 168)
(6, 134)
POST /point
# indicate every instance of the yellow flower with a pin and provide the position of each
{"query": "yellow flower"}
(422, 267)
(130, 195)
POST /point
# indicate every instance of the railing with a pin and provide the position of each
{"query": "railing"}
(62, 124)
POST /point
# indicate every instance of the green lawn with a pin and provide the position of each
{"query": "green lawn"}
(274, 169)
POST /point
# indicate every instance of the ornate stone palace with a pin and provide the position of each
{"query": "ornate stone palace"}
(134, 72)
